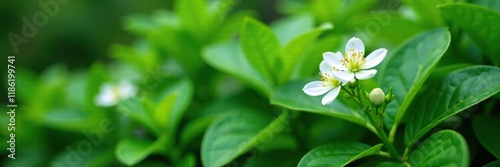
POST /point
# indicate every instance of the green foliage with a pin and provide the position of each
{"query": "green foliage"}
(260, 46)
(303, 102)
(485, 130)
(234, 134)
(131, 151)
(454, 93)
(407, 68)
(222, 83)
(229, 57)
(480, 23)
(444, 148)
(338, 154)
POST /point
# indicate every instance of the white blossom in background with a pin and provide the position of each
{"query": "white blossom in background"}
(111, 94)
(327, 84)
(353, 63)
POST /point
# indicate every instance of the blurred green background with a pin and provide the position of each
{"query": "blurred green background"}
(83, 33)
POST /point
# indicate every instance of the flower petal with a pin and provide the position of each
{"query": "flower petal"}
(315, 88)
(366, 74)
(105, 100)
(127, 90)
(333, 59)
(344, 76)
(375, 58)
(330, 96)
(325, 68)
(356, 44)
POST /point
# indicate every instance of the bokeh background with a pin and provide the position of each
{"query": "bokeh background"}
(85, 32)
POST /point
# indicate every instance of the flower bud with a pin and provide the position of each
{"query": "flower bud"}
(377, 96)
(390, 96)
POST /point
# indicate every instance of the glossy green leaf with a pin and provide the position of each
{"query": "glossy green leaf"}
(454, 93)
(260, 46)
(171, 108)
(480, 23)
(131, 151)
(294, 51)
(229, 58)
(338, 154)
(486, 130)
(291, 96)
(444, 148)
(236, 133)
(407, 68)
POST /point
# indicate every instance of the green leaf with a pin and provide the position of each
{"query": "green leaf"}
(444, 148)
(338, 154)
(288, 28)
(71, 119)
(454, 93)
(486, 130)
(492, 4)
(291, 96)
(480, 23)
(235, 133)
(493, 164)
(407, 68)
(188, 161)
(294, 51)
(229, 58)
(171, 108)
(261, 47)
(193, 17)
(140, 56)
(131, 151)
(144, 24)
(134, 108)
(231, 25)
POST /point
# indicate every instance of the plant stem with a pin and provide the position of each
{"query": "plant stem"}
(381, 134)
(378, 127)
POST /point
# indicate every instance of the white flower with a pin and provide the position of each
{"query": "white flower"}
(353, 63)
(110, 94)
(327, 83)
